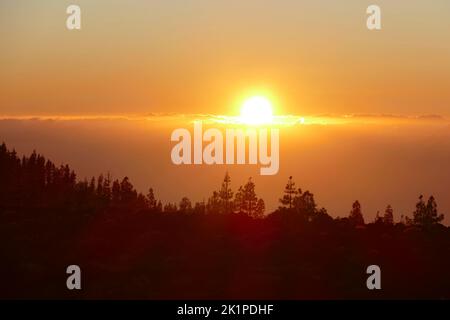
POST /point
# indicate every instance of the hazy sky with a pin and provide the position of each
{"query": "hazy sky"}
(378, 163)
(310, 57)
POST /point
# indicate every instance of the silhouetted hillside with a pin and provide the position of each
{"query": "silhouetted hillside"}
(130, 245)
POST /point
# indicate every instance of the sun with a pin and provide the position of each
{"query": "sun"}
(256, 111)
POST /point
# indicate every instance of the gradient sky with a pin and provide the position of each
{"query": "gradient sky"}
(389, 161)
(310, 57)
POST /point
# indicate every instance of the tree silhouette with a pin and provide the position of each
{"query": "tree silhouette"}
(159, 207)
(151, 200)
(249, 197)
(356, 216)
(100, 181)
(127, 193)
(388, 217)
(115, 192)
(226, 194)
(260, 208)
(239, 203)
(290, 193)
(199, 207)
(185, 205)
(305, 205)
(170, 208)
(48, 217)
(247, 202)
(214, 204)
(426, 215)
(106, 189)
(302, 203)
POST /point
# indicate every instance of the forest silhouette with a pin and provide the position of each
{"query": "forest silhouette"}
(131, 245)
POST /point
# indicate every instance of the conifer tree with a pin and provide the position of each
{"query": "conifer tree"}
(356, 216)
(388, 217)
(426, 215)
(151, 200)
(226, 194)
(247, 202)
(290, 193)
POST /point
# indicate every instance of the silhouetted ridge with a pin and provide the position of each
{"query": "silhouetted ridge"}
(131, 245)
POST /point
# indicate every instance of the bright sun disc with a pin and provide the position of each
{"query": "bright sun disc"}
(256, 111)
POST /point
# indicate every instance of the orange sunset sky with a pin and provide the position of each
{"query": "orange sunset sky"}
(311, 57)
(105, 98)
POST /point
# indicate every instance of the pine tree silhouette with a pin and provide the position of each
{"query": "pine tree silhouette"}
(290, 193)
(226, 194)
(247, 202)
(388, 217)
(356, 216)
(426, 215)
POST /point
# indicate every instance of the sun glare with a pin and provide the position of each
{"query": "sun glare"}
(256, 111)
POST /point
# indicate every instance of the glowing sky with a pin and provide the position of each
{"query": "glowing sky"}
(311, 57)
(142, 65)
(376, 160)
